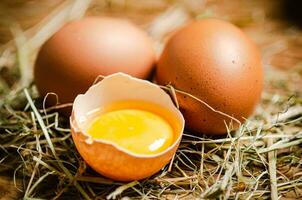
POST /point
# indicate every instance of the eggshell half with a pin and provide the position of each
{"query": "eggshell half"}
(105, 157)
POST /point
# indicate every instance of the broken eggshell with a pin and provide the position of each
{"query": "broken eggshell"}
(106, 157)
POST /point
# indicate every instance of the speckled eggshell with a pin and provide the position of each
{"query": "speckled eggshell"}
(216, 62)
(70, 61)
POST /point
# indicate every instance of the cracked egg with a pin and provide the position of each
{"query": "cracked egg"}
(126, 128)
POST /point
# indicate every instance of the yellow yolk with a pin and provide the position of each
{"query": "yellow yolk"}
(137, 130)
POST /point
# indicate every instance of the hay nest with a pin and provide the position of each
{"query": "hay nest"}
(261, 160)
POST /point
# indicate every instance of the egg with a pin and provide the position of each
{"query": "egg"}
(217, 63)
(70, 61)
(126, 128)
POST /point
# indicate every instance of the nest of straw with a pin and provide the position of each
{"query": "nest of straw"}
(261, 160)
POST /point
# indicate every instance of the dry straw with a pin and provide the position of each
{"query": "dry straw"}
(261, 160)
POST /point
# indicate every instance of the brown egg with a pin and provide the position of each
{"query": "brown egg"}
(70, 61)
(217, 63)
(109, 158)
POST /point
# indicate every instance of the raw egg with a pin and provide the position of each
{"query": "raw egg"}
(217, 63)
(69, 62)
(150, 132)
(126, 128)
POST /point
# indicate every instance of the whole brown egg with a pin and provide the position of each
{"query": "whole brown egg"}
(70, 61)
(216, 62)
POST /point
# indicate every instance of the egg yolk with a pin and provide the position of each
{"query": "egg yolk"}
(137, 130)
